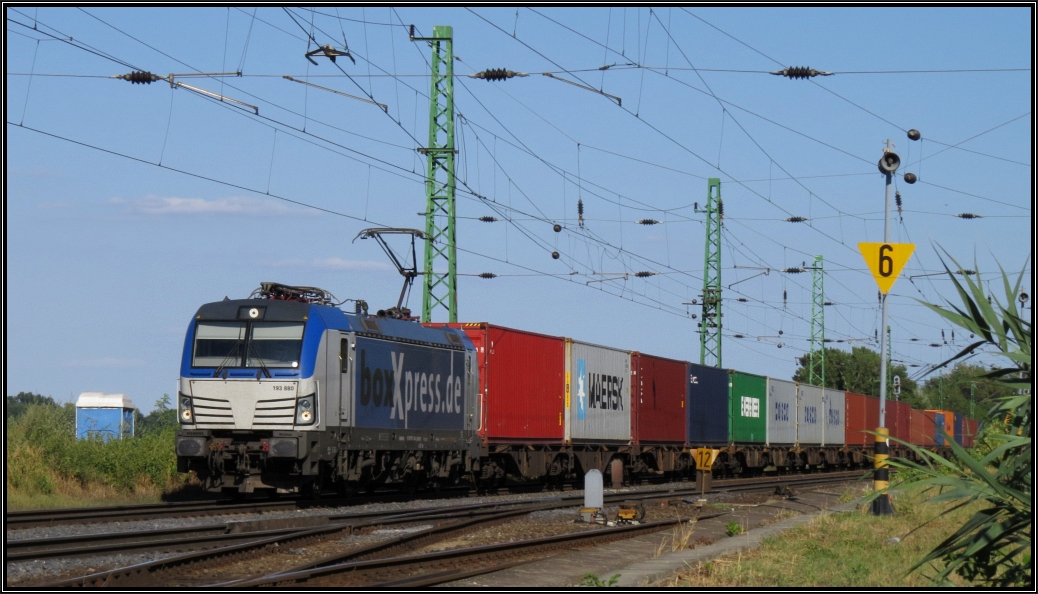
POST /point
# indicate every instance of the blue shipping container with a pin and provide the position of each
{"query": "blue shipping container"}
(403, 386)
(106, 423)
(707, 405)
(958, 428)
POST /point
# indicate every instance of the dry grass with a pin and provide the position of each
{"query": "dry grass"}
(679, 539)
(837, 550)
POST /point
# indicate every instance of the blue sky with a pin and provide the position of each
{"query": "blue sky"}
(109, 254)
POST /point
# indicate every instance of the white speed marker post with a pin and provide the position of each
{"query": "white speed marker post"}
(885, 261)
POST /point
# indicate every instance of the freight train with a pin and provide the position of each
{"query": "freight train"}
(285, 392)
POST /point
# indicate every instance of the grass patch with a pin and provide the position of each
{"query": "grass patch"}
(839, 550)
(46, 466)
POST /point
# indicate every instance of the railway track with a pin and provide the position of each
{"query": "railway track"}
(153, 511)
(229, 547)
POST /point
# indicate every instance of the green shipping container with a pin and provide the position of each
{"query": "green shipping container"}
(747, 396)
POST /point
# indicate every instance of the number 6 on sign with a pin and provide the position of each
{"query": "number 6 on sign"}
(885, 261)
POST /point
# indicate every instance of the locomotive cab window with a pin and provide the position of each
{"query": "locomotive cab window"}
(247, 344)
(218, 343)
(275, 344)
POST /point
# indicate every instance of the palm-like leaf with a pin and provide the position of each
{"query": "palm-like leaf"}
(993, 547)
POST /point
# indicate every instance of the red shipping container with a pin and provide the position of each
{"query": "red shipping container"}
(971, 432)
(657, 399)
(862, 415)
(522, 383)
(919, 423)
(898, 421)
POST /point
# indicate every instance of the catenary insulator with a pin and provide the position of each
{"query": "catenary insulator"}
(644, 274)
(495, 74)
(793, 270)
(969, 215)
(738, 336)
(897, 198)
(487, 275)
(796, 219)
(138, 77)
(795, 72)
(580, 208)
(488, 219)
(648, 222)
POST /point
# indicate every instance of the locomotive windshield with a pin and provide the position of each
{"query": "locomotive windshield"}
(247, 344)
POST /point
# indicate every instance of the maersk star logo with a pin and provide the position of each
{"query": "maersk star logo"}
(581, 392)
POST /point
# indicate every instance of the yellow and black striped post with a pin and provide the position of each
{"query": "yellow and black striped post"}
(881, 505)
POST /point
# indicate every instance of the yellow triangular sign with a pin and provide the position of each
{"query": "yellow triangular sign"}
(885, 261)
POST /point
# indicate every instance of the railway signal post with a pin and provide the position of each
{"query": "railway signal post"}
(885, 261)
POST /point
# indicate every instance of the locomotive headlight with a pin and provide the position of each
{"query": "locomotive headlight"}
(306, 408)
(186, 413)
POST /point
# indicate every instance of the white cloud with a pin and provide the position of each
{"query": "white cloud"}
(165, 205)
(336, 264)
(105, 362)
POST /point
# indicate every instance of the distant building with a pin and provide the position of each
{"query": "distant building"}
(109, 416)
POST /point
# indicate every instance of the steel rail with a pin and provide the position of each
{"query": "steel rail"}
(376, 572)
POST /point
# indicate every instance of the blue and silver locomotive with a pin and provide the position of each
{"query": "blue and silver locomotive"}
(283, 391)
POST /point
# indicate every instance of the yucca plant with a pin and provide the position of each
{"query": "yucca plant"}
(993, 548)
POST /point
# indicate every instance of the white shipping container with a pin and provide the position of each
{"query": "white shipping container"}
(599, 384)
(782, 412)
(835, 417)
(811, 415)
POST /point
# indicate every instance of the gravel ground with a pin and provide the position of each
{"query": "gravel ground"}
(27, 572)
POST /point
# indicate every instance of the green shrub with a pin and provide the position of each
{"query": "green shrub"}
(42, 452)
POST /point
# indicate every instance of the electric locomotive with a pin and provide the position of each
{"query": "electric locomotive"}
(283, 391)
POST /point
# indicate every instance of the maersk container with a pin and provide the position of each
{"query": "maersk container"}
(600, 393)
(782, 412)
(749, 406)
(708, 410)
(836, 417)
(811, 414)
(521, 382)
(958, 428)
(658, 400)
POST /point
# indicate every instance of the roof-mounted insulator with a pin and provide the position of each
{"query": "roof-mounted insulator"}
(797, 219)
(648, 222)
(138, 77)
(487, 275)
(794, 270)
(800, 72)
(488, 219)
(495, 74)
(969, 215)
(644, 274)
